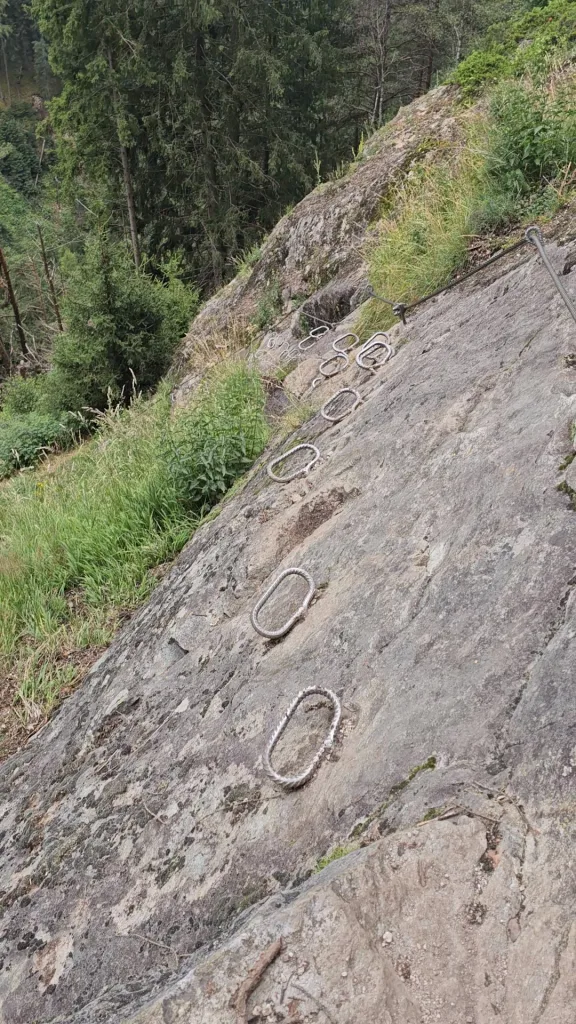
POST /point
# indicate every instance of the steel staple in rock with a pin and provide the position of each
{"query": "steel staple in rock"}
(315, 334)
(343, 391)
(275, 634)
(330, 359)
(295, 781)
(368, 349)
(373, 340)
(299, 472)
(534, 236)
(348, 348)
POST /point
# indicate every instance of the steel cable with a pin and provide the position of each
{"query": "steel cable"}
(534, 237)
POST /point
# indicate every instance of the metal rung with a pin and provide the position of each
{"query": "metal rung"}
(343, 391)
(312, 338)
(295, 781)
(299, 472)
(347, 348)
(367, 352)
(331, 359)
(275, 634)
(373, 338)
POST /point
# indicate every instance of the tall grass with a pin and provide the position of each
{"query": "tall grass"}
(78, 546)
(518, 164)
(422, 236)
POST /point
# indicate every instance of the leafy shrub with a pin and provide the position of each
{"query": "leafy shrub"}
(533, 137)
(481, 68)
(20, 395)
(269, 306)
(525, 45)
(25, 438)
(15, 214)
(121, 325)
(218, 438)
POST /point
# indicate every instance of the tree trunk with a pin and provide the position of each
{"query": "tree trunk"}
(213, 221)
(130, 204)
(14, 304)
(127, 177)
(49, 278)
(428, 67)
(4, 357)
(6, 73)
(382, 33)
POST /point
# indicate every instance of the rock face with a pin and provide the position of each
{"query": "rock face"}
(320, 241)
(146, 859)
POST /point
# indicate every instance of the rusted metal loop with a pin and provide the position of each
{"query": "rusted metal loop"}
(319, 332)
(331, 359)
(347, 348)
(343, 391)
(275, 634)
(295, 781)
(299, 472)
(368, 352)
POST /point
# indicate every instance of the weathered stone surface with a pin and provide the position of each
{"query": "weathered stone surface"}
(320, 240)
(146, 860)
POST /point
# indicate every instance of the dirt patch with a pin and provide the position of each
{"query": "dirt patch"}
(312, 515)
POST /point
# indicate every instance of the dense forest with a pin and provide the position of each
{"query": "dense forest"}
(187, 129)
(145, 151)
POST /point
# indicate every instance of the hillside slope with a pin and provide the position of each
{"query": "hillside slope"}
(313, 258)
(146, 859)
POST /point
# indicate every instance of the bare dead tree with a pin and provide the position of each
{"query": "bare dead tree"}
(49, 278)
(13, 302)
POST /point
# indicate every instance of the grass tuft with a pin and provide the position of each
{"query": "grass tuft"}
(422, 236)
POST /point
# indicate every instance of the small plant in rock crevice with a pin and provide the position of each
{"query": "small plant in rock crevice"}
(269, 306)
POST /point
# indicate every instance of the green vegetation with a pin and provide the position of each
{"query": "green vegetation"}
(530, 45)
(422, 236)
(79, 544)
(516, 163)
(336, 854)
(433, 812)
(360, 828)
(244, 261)
(19, 163)
(24, 439)
(533, 139)
(122, 327)
(268, 306)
